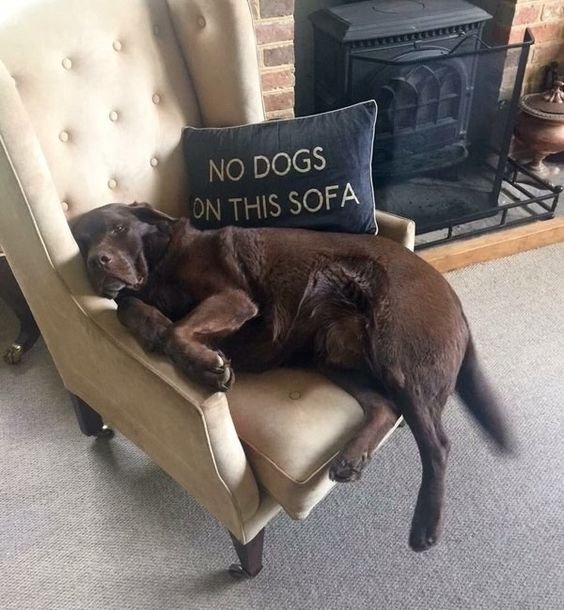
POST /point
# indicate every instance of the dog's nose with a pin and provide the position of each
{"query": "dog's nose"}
(100, 260)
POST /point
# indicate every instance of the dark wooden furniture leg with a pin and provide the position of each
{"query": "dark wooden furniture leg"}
(89, 421)
(11, 293)
(250, 556)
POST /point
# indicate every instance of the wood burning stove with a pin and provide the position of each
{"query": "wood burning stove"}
(446, 110)
(399, 52)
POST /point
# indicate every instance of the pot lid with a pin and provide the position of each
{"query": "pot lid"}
(548, 105)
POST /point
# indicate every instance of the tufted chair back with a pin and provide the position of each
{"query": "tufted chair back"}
(107, 86)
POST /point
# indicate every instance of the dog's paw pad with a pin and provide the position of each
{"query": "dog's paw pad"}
(344, 471)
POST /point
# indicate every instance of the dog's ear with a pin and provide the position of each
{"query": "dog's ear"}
(146, 213)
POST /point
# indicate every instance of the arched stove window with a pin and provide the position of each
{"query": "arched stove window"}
(415, 96)
(450, 91)
(419, 96)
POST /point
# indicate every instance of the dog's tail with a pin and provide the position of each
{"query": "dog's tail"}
(480, 399)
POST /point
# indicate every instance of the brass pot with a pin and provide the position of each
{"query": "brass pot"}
(540, 125)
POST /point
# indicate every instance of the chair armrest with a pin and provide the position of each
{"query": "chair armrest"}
(395, 227)
(193, 438)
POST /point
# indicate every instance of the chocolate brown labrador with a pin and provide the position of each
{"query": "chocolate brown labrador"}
(365, 311)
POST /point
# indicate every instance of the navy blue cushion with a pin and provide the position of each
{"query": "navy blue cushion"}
(310, 172)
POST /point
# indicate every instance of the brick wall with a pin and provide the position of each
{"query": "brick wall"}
(274, 27)
(546, 20)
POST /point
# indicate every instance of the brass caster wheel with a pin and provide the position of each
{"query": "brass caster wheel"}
(105, 433)
(13, 354)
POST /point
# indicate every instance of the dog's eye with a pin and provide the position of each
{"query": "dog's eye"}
(119, 229)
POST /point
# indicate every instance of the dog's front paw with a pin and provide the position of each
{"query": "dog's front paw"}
(201, 364)
(220, 375)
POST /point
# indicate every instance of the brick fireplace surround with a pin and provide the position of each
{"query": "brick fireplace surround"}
(546, 20)
(274, 27)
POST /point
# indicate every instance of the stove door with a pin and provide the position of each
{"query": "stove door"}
(423, 111)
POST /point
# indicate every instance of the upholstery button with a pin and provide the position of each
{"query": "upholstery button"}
(65, 206)
(154, 161)
(295, 395)
(64, 136)
(114, 115)
(156, 98)
(201, 21)
(112, 183)
(67, 63)
(156, 30)
(117, 45)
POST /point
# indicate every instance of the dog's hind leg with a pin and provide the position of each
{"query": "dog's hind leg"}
(380, 417)
(424, 420)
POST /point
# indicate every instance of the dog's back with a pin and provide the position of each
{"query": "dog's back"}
(348, 283)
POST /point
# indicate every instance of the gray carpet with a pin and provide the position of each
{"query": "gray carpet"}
(90, 524)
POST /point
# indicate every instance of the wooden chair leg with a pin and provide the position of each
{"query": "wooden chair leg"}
(29, 332)
(89, 421)
(250, 556)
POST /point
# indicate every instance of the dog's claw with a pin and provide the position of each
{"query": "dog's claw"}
(228, 379)
(221, 377)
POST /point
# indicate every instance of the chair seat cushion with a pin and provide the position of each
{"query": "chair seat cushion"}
(292, 423)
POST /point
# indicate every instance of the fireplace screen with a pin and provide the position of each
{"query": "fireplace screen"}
(446, 108)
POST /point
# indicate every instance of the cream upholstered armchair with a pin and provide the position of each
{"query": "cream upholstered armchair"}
(93, 97)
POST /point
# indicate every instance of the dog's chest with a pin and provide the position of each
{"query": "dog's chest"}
(168, 298)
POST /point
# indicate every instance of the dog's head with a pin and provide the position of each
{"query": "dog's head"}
(120, 243)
